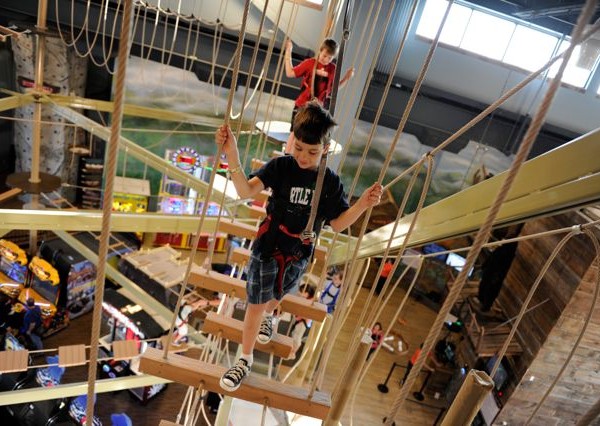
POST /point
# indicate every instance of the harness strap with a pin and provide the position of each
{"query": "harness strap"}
(282, 262)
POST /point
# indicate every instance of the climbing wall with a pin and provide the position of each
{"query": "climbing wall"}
(65, 74)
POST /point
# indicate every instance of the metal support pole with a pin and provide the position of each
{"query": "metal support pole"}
(383, 386)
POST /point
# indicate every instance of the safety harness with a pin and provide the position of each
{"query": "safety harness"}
(272, 226)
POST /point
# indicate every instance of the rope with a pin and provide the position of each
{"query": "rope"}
(309, 230)
(593, 29)
(484, 232)
(212, 179)
(583, 329)
(262, 85)
(273, 96)
(410, 103)
(321, 282)
(389, 328)
(338, 324)
(111, 167)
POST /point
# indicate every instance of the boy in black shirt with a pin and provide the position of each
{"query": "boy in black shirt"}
(279, 256)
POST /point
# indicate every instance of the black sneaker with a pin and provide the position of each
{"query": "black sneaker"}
(265, 332)
(233, 377)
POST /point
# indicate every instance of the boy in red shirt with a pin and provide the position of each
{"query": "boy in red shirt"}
(322, 87)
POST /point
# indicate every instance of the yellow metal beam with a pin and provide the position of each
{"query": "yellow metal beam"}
(135, 110)
(90, 220)
(562, 179)
(23, 396)
(15, 101)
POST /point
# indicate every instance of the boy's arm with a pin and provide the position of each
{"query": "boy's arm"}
(369, 198)
(289, 67)
(246, 188)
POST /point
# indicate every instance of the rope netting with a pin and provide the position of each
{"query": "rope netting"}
(133, 12)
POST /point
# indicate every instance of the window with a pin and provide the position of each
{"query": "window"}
(583, 61)
(507, 40)
(529, 48)
(487, 35)
(455, 26)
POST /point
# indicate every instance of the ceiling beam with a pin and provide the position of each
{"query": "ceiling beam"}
(542, 12)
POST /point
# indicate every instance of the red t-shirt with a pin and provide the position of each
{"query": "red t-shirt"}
(387, 268)
(323, 85)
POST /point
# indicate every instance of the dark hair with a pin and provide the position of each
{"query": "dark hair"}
(330, 45)
(30, 302)
(309, 289)
(378, 324)
(313, 124)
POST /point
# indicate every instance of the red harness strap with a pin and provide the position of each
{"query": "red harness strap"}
(282, 262)
(284, 229)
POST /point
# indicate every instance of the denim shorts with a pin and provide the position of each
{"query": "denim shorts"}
(262, 286)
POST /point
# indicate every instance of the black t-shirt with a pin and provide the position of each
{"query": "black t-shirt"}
(293, 188)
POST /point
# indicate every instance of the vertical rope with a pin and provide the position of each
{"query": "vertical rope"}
(403, 121)
(111, 168)
(212, 179)
(484, 231)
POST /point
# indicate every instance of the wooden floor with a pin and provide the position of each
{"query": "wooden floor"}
(370, 405)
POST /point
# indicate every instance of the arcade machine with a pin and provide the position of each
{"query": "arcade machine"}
(43, 285)
(13, 268)
(77, 277)
(127, 321)
(32, 413)
(180, 200)
(73, 413)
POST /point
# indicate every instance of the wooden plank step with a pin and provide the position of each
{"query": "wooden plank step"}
(240, 256)
(232, 329)
(256, 212)
(303, 307)
(320, 253)
(221, 283)
(239, 229)
(254, 388)
(168, 423)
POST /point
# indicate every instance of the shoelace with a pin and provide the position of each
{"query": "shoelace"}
(237, 372)
(266, 326)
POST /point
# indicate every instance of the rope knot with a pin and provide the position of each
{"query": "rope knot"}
(577, 229)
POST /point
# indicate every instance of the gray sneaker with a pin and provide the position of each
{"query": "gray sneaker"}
(265, 332)
(232, 379)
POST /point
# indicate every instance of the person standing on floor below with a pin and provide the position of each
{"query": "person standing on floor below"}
(32, 321)
(385, 272)
(279, 256)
